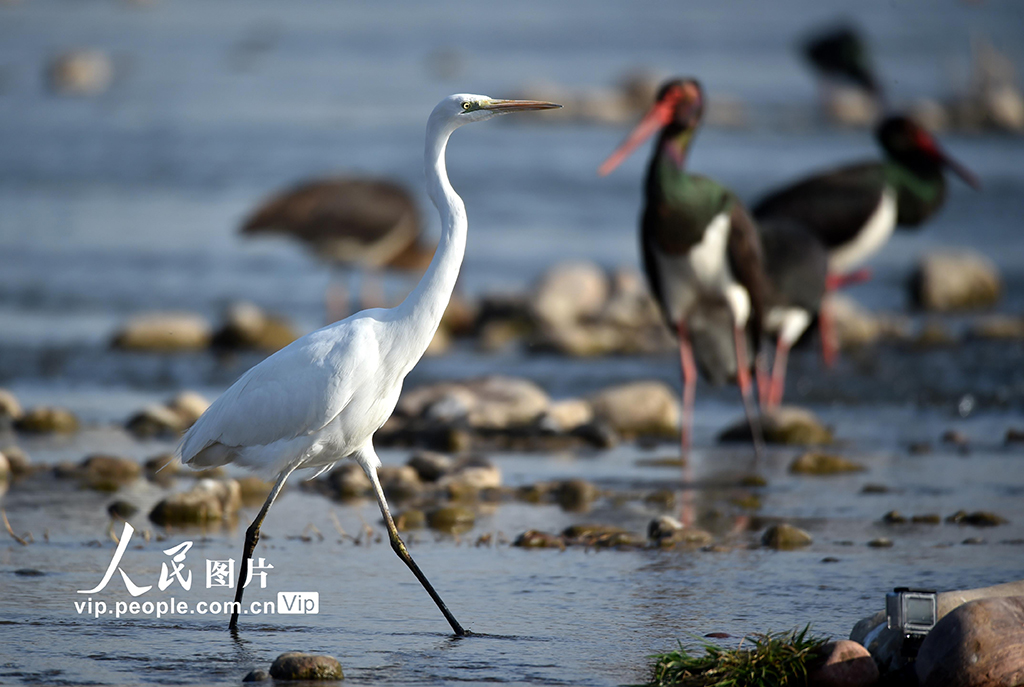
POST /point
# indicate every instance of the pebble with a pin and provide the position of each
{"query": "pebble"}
(576, 495)
(786, 425)
(108, 473)
(843, 663)
(535, 539)
(295, 665)
(431, 466)
(976, 519)
(399, 482)
(894, 517)
(247, 327)
(638, 409)
(785, 537)
(155, 421)
(45, 420)
(163, 332)
(816, 463)
(452, 519)
(188, 406)
(208, 501)
(952, 280)
(880, 543)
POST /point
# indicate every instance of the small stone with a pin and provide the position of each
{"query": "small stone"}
(81, 73)
(927, 519)
(431, 466)
(474, 472)
(816, 463)
(785, 537)
(598, 434)
(787, 425)
(163, 332)
(208, 501)
(17, 461)
(247, 327)
(843, 663)
(974, 540)
(399, 482)
(576, 494)
(503, 402)
(121, 510)
(894, 517)
(567, 415)
(9, 406)
(29, 572)
(875, 489)
(568, 293)
(638, 409)
(410, 520)
(188, 406)
(45, 420)
(296, 665)
(155, 421)
(348, 481)
(976, 519)
(257, 675)
(956, 280)
(452, 519)
(535, 539)
(978, 643)
(880, 543)
(108, 473)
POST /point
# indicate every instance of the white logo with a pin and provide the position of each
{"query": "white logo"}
(298, 602)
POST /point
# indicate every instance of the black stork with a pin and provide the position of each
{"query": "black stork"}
(347, 221)
(840, 53)
(853, 210)
(701, 250)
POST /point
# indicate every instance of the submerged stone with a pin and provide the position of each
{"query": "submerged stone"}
(452, 519)
(535, 539)
(786, 425)
(122, 510)
(638, 409)
(817, 463)
(976, 519)
(785, 537)
(577, 494)
(296, 665)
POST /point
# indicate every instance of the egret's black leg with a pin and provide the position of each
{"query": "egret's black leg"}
(252, 537)
(399, 546)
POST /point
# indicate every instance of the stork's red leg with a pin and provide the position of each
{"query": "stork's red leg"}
(743, 377)
(688, 368)
(829, 345)
(763, 377)
(778, 387)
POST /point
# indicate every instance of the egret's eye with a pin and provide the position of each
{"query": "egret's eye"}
(467, 106)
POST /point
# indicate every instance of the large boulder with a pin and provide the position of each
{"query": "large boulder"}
(638, 408)
(163, 332)
(956, 280)
(978, 644)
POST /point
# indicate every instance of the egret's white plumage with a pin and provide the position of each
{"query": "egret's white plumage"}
(321, 398)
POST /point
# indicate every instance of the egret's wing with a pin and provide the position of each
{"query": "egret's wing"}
(296, 391)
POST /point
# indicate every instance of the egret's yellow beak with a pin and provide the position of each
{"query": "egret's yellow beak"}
(504, 106)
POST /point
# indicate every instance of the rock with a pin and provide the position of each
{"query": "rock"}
(17, 461)
(816, 463)
(976, 519)
(163, 332)
(411, 520)
(956, 280)
(188, 405)
(256, 676)
(474, 472)
(296, 665)
(569, 293)
(786, 425)
(565, 416)
(667, 531)
(602, 536)
(843, 664)
(535, 539)
(875, 489)
(9, 406)
(121, 510)
(978, 644)
(162, 465)
(45, 420)
(996, 326)
(894, 517)
(108, 473)
(348, 481)
(855, 326)
(253, 490)
(785, 537)
(576, 494)
(926, 519)
(852, 107)
(208, 501)
(503, 402)
(452, 519)
(249, 328)
(1014, 436)
(933, 334)
(430, 465)
(399, 482)
(81, 72)
(881, 543)
(638, 408)
(155, 421)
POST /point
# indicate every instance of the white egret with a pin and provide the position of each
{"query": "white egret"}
(320, 399)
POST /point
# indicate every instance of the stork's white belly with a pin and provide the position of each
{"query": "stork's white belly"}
(787, 323)
(870, 239)
(703, 274)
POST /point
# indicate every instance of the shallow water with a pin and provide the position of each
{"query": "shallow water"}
(129, 202)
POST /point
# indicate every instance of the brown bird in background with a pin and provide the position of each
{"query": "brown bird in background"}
(371, 224)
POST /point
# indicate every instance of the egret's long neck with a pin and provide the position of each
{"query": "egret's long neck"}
(422, 309)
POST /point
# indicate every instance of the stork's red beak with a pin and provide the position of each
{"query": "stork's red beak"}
(660, 114)
(927, 143)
